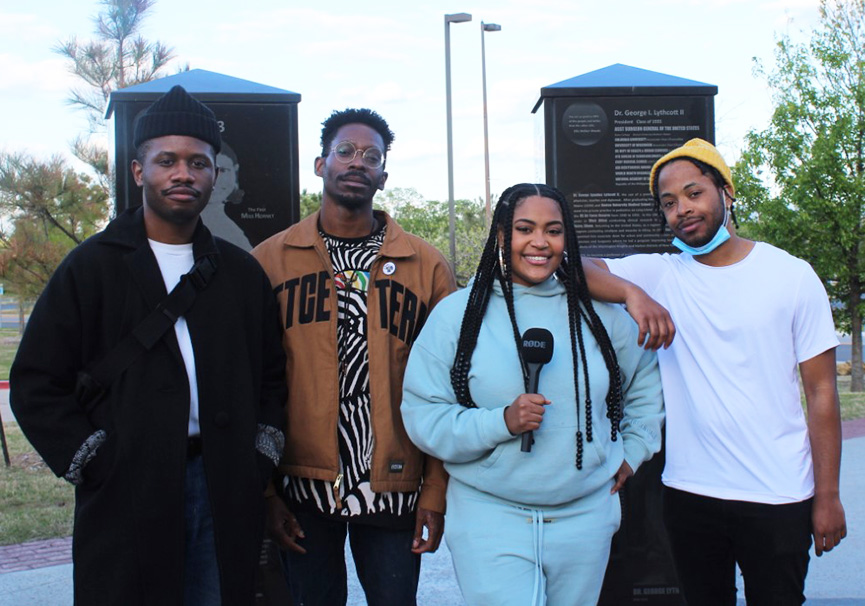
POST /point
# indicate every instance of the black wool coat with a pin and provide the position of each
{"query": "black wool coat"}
(128, 541)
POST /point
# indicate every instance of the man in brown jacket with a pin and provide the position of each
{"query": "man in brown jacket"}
(354, 291)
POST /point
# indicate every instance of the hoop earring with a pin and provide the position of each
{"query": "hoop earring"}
(561, 273)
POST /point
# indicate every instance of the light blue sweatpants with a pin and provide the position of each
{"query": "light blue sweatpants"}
(505, 555)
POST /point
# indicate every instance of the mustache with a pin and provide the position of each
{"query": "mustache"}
(184, 188)
(687, 221)
(357, 175)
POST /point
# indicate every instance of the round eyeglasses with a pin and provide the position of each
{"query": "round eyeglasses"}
(345, 152)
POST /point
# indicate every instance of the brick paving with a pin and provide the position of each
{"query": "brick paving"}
(35, 554)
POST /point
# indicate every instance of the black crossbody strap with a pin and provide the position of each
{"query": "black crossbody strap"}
(144, 336)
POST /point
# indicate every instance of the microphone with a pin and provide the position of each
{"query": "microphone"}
(537, 349)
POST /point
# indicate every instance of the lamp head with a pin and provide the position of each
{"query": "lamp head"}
(458, 18)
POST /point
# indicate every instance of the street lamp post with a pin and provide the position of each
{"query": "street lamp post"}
(486, 27)
(454, 18)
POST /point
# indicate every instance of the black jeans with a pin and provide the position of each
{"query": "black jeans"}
(709, 537)
(387, 569)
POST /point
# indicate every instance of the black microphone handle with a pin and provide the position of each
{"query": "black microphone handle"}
(534, 379)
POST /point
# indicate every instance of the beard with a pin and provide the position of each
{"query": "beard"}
(714, 223)
(352, 198)
(353, 201)
(701, 241)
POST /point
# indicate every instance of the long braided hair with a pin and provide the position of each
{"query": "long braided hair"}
(580, 307)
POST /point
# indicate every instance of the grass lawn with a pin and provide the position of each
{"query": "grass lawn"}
(9, 339)
(852, 404)
(34, 504)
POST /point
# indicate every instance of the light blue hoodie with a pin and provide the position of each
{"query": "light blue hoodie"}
(475, 444)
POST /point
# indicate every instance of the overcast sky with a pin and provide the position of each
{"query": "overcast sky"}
(389, 56)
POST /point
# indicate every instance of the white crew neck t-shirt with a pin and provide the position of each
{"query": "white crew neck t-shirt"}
(174, 261)
(735, 426)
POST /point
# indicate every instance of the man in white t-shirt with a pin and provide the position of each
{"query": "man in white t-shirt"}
(749, 478)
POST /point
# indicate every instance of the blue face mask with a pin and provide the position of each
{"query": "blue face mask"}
(721, 236)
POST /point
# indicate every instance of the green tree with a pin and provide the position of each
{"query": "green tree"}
(801, 180)
(118, 57)
(309, 203)
(46, 209)
(429, 219)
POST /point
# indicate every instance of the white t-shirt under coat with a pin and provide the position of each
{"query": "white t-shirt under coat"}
(174, 261)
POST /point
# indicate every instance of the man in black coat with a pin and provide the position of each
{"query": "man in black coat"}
(170, 435)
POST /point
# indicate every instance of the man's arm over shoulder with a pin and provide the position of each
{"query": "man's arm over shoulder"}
(829, 524)
(654, 321)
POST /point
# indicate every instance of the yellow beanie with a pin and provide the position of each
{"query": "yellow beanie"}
(698, 149)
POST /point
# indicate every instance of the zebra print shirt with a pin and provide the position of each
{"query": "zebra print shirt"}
(352, 260)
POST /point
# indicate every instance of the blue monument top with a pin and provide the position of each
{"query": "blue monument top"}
(206, 86)
(623, 80)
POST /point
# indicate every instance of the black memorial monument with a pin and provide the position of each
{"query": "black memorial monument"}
(257, 191)
(603, 131)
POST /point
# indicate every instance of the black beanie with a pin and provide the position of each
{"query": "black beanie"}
(177, 113)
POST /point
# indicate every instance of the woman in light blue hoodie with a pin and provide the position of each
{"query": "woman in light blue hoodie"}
(532, 527)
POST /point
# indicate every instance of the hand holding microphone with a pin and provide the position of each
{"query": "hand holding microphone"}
(525, 414)
(537, 350)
